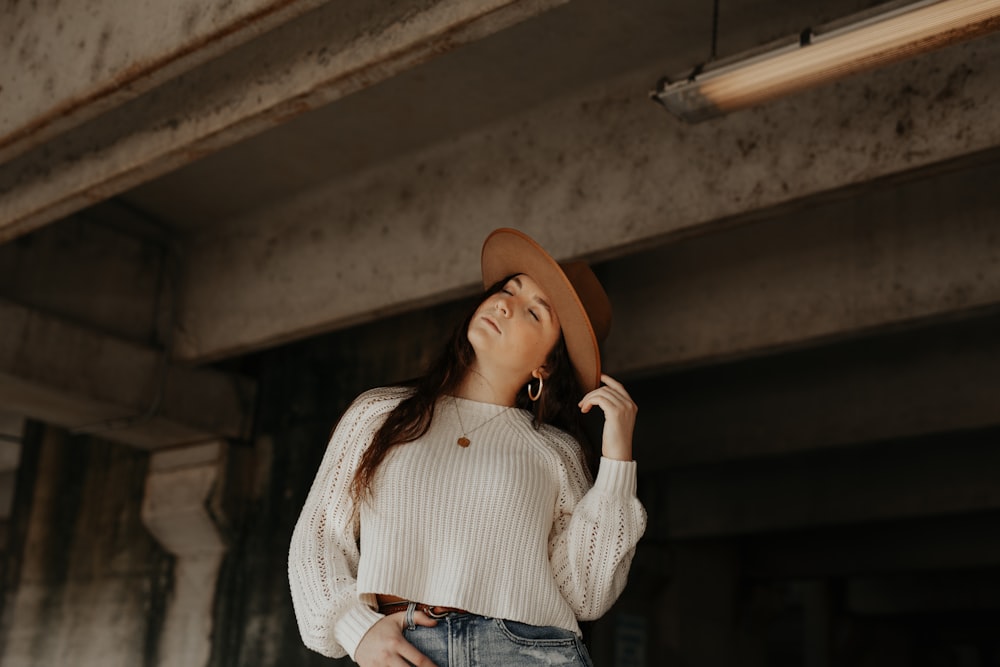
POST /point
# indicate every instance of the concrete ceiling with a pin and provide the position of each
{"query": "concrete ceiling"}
(568, 48)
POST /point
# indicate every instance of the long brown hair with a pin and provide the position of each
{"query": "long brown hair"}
(412, 417)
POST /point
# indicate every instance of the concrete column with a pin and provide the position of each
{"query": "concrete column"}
(11, 428)
(177, 510)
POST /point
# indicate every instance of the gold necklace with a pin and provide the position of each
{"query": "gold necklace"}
(463, 440)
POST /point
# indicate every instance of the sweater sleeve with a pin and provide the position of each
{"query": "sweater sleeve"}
(323, 555)
(594, 533)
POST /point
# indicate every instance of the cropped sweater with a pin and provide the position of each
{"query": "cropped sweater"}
(508, 527)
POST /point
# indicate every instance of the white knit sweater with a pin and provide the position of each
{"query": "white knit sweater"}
(508, 527)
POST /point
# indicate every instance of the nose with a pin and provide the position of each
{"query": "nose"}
(503, 306)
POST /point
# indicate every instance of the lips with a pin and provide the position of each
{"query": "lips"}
(492, 323)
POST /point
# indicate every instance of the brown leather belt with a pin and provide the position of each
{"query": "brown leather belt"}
(389, 604)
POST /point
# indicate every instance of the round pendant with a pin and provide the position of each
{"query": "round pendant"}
(463, 442)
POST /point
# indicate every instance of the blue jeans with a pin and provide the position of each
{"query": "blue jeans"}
(467, 640)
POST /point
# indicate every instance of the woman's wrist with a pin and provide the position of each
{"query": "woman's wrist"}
(618, 449)
(617, 454)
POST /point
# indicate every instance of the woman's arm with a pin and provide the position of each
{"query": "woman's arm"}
(323, 555)
(595, 530)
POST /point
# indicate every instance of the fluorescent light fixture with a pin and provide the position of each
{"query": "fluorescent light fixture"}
(814, 59)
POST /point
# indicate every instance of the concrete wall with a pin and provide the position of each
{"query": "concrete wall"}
(86, 584)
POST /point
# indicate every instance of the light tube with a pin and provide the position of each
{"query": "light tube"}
(866, 44)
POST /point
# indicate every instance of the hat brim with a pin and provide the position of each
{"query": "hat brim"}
(509, 252)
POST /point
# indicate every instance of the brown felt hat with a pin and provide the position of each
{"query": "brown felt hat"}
(577, 296)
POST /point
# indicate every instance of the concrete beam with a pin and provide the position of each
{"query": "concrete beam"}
(934, 380)
(97, 270)
(65, 65)
(68, 375)
(889, 256)
(595, 175)
(307, 62)
(10, 452)
(11, 431)
(950, 475)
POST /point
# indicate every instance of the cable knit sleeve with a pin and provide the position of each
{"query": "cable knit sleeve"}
(594, 532)
(323, 555)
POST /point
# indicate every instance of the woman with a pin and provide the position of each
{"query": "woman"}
(482, 539)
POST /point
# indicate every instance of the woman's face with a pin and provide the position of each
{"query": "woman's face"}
(514, 330)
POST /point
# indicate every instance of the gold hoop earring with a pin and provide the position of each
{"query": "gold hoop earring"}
(535, 396)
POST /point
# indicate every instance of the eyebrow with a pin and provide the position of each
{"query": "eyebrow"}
(538, 299)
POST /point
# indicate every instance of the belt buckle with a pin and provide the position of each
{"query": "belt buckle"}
(429, 610)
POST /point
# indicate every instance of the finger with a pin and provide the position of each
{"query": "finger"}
(605, 400)
(590, 400)
(399, 618)
(616, 385)
(421, 618)
(615, 389)
(611, 382)
(415, 657)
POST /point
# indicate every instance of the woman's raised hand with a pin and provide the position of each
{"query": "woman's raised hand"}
(619, 417)
(384, 646)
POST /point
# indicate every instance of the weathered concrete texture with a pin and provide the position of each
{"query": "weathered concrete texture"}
(479, 84)
(11, 432)
(53, 370)
(179, 491)
(181, 487)
(8, 478)
(93, 273)
(66, 63)
(308, 62)
(548, 57)
(92, 583)
(621, 170)
(917, 250)
(8, 481)
(15, 523)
